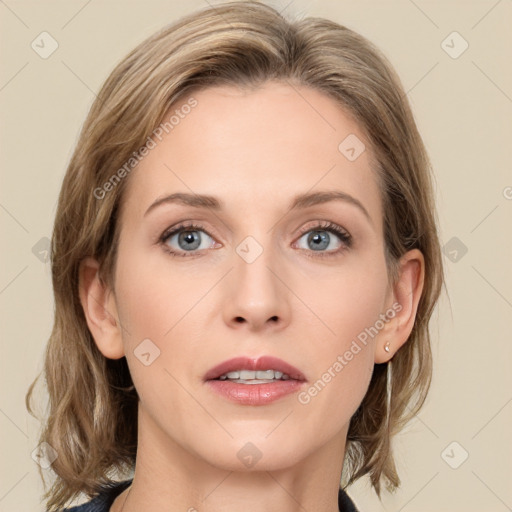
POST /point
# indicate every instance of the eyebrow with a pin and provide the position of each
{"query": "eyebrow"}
(298, 202)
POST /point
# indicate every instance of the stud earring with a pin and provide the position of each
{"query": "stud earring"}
(386, 346)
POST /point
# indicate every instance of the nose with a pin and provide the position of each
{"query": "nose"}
(257, 297)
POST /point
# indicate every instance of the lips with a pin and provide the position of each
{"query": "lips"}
(248, 363)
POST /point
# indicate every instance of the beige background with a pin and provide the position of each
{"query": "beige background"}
(463, 107)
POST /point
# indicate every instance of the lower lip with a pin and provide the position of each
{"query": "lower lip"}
(255, 394)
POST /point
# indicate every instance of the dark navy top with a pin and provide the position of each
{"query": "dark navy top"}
(103, 501)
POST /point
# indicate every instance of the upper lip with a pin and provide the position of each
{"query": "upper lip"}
(250, 363)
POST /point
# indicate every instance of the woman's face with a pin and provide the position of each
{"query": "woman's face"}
(253, 277)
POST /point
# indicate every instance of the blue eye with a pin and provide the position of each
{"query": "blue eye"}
(319, 238)
(191, 238)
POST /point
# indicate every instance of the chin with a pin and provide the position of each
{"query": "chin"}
(255, 453)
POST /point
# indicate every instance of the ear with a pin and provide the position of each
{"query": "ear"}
(100, 310)
(406, 294)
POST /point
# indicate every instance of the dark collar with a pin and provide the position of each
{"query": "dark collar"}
(345, 504)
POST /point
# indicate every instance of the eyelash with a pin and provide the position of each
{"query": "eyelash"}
(330, 227)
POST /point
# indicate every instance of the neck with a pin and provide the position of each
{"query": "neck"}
(168, 476)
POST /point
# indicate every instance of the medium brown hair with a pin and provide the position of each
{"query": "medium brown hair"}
(92, 417)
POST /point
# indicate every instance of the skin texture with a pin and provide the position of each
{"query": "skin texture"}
(254, 151)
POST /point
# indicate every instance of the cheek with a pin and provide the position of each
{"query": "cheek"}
(348, 300)
(160, 309)
(341, 359)
(340, 364)
(153, 311)
(151, 298)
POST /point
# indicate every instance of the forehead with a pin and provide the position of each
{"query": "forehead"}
(256, 149)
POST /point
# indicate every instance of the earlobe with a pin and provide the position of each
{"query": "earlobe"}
(100, 310)
(406, 296)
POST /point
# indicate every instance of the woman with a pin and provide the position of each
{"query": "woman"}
(245, 260)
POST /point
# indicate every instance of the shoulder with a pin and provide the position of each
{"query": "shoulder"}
(345, 504)
(102, 501)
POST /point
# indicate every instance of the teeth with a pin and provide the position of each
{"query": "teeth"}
(256, 377)
(267, 374)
